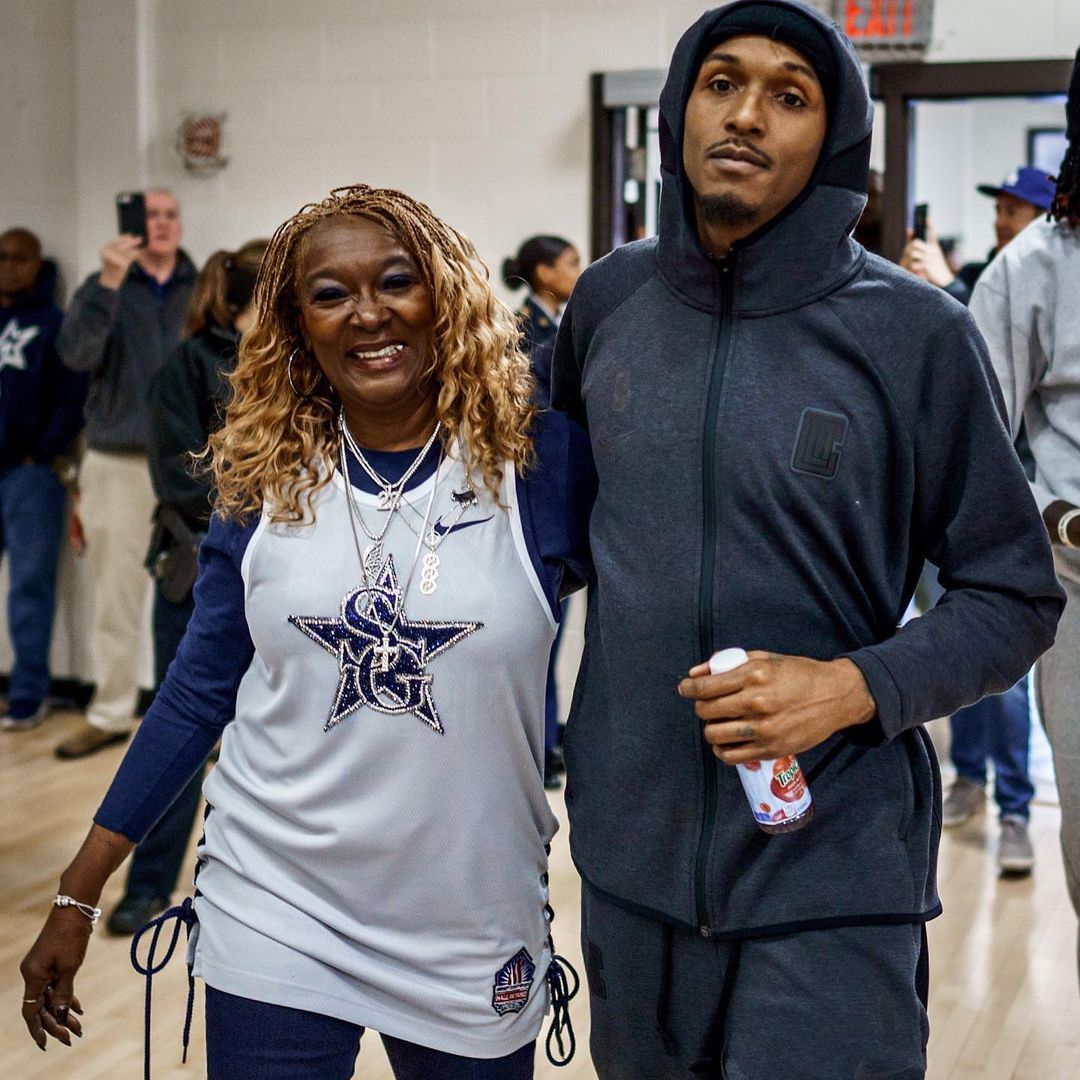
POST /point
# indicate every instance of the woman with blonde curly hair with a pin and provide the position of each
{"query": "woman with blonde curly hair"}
(395, 523)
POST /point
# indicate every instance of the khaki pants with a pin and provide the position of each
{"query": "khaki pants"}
(116, 504)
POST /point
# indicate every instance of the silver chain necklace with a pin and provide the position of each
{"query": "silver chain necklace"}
(389, 494)
(374, 552)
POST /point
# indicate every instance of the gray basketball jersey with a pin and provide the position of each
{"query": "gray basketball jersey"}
(375, 847)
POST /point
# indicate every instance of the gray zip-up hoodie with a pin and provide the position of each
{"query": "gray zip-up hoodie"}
(1027, 305)
(122, 337)
(781, 439)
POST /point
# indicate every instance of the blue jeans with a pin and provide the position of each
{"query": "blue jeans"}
(250, 1040)
(156, 863)
(997, 728)
(31, 529)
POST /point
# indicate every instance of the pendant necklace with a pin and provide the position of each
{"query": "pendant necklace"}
(432, 538)
(374, 552)
(382, 655)
(389, 494)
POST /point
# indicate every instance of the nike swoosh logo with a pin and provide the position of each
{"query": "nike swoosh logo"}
(441, 530)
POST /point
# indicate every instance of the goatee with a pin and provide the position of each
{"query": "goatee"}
(727, 210)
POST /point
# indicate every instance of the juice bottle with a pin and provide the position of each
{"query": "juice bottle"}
(777, 791)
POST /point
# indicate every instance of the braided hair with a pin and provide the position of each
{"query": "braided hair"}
(1066, 204)
(278, 442)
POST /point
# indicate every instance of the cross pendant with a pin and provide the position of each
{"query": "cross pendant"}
(385, 652)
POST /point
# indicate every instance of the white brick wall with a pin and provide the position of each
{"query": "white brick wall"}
(37, 121)
(478, 106)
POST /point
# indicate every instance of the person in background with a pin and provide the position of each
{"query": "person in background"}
(41, 405)
(1019, 200)
(549, 266)
(1027, 306)
(998, 728)
(187, 402)
(123, 323)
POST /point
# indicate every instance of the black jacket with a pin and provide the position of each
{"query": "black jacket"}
(121, 337)
(41, 401)
(781, 439)
(187, 403)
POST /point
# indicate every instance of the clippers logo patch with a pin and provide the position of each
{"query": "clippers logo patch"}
(510, 993)
(819, 443)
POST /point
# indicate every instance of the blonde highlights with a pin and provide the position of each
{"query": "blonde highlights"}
(279, 441)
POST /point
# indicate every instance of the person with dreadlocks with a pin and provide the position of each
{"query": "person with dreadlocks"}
(1027, 306)
(395, 523)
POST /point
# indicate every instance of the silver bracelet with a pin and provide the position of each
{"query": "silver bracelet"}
(92, 913)
(1063, 526)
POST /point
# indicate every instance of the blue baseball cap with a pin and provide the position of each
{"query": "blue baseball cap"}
(1027, 183)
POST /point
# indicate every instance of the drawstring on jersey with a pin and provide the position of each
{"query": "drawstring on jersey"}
(561, 996)
(185, 917)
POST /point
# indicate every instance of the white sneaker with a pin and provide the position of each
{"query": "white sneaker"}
(1015, 853)
(16, 721)
(966, 798)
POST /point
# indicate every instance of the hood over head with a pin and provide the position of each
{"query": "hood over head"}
(806, 250)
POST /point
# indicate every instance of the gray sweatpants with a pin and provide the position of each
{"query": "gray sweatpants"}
(837, 1004)
(1057, 686)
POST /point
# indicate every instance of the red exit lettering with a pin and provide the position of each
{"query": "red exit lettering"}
(876, 20)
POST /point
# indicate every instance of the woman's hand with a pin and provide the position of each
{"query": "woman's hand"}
(773, 706)
(49, 968)
(48, 972)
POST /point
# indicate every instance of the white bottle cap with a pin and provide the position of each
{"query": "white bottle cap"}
(727, 660)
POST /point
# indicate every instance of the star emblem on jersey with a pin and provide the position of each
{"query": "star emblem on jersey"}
(382, 655)
(13, 342)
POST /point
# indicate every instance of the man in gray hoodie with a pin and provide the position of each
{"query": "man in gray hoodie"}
(1027, 305)
(784, 428)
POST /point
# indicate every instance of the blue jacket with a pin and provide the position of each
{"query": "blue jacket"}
(782, 437)
(538, 342)
(41, 401)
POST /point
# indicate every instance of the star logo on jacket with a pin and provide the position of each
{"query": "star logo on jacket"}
(382, 654)
(13, 342)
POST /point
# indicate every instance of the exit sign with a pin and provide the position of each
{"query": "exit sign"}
(884, 25)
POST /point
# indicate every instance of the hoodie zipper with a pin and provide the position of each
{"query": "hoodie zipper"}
(707, 577)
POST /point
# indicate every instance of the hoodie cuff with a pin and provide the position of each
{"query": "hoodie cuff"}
(104, 297)
(888, 721)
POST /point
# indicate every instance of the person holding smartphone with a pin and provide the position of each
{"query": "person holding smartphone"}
(124, 321)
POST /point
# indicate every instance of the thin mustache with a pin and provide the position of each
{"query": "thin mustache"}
(742, 144)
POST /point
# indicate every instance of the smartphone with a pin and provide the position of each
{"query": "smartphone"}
(131, 213)
(918, 228)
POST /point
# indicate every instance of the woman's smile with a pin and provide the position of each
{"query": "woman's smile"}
(368, 320)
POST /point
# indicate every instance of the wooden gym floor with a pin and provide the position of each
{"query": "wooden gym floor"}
(1004, 999)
